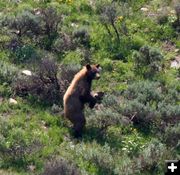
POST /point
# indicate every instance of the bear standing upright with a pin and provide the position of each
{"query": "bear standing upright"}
(79, 93)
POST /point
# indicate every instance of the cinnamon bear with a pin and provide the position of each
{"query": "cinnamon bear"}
(78, 94)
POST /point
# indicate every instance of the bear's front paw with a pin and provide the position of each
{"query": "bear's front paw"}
(99, 96)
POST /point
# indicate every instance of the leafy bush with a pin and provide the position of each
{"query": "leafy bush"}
(82, 37)
(17, 147)
(152, 155)
(24, 23)
(106, 115)
(43, 85)
(50, 23)
(91, 158)
(58, 166)
(147, 104)
(172, 133)
(8, 72)
(108, 17)
(177, 9)
(137, 42)
(40, 25)
(63, 43)
(176, 23)
(99, 159)
(46, 85)
(147, 62)
(25, 53)
(74, 57)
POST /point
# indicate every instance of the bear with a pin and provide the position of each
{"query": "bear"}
(78, 94)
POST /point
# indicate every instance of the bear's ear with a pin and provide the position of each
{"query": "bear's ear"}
(97, 65)
(88, 66)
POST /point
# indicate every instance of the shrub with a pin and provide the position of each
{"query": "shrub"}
(24, 23)
(177, 9)
(14, 44)
(162, 17)
(137, 42)
(171, 136)
(147, 62)
(8, 72)
(50, 23)
(40, 25)
(152, 155)
(63, 43)
(141, 102)
(17, 147)
(176, 23)
(106, 115)
(82, 38)
(74, 57)
(46, 85)
(92, 158)
(108, 17)
(148, 104)
(25, 53)
(59, 166)
(43, 85)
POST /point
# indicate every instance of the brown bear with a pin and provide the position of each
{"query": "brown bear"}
(79, 93)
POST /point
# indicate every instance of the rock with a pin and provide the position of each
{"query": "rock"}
(12, 101)
(31, 168)
(173, 12)
(176, 62)
(27, 72)
(144, 9)
(176, 50)
(74, 25)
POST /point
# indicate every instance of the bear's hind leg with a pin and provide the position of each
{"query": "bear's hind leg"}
(79, 126)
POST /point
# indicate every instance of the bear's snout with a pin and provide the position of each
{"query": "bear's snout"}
(98, 76)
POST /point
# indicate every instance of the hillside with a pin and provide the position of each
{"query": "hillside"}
(135, 128)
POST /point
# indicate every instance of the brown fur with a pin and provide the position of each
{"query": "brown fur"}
(79, 93)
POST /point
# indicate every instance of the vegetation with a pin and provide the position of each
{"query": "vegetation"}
(136, 126)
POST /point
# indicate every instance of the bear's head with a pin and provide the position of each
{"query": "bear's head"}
(93, 71)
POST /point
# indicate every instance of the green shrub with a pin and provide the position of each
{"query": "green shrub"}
(73, 57)
(106, 115)
(81, 36)
(17, 147)
(137, 42)
(147, 104)
(42, 86)
(25, 53)
(152, 155)
(48, 84)
(60, 166)
(24, 23)
(177, 9)
(107, 65)
(63, 44)
(162, 19)
(40, 26)
(172, 133)
(8, 72)
(147, 62)
(50, 20)
(178, 44)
